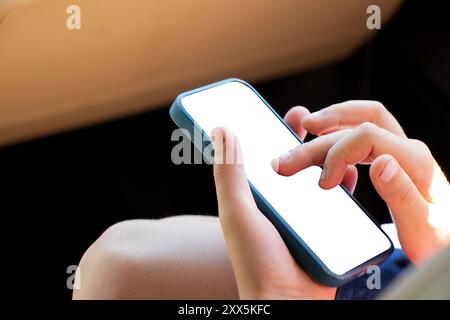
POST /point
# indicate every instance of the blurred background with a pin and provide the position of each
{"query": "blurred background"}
(84, 124)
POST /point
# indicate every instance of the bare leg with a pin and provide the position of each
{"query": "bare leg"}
(180, 257)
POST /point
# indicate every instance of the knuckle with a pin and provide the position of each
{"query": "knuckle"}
(222, 171)
(306, 151)
(298, 108)
(423, 154)
(345, 153)
(219, 171)
(421, 147)
(366, 129)
(403, 192)
(340, 152)
(378, 109)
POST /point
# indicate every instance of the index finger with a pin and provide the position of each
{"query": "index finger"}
(350, 114)
(307, 154)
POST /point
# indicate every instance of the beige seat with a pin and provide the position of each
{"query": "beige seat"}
(136, 55)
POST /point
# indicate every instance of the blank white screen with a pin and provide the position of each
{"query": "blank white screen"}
(329, 221)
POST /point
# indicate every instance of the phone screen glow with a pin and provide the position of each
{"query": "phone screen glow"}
(329, 221)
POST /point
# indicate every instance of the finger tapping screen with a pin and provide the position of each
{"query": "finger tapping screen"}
(329, 221)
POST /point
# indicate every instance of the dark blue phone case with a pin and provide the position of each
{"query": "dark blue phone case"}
(306, 258)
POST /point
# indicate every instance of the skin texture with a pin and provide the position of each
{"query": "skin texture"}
(165, 259)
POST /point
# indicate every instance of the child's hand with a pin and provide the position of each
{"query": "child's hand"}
(402, 170)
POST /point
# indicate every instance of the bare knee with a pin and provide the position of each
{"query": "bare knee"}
(182, 257)
(108, 263)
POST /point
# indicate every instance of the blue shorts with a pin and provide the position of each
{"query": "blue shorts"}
(357, 289)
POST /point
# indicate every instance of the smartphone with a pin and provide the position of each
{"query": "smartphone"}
(328, 232)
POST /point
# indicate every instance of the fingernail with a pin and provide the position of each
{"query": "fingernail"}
(388, 172)
(216, 136)
(275, 164)
(217, 142)
(285, 157)
(316, 115)
(323, 175)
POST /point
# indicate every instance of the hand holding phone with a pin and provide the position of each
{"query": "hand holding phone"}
(328, 233)
(346, 131)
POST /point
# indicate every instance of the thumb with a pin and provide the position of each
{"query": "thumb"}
(232, 187)
(408, 207)
(397, 189)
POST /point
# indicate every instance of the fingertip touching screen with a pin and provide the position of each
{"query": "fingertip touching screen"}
(330, 222)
